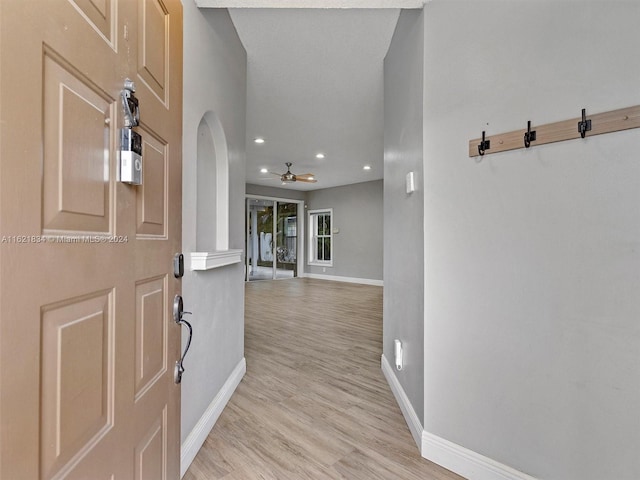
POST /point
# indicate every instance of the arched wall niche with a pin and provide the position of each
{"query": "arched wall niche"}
(212, 198)
(212, 208)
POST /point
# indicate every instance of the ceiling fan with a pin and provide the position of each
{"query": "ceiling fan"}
(289, 177)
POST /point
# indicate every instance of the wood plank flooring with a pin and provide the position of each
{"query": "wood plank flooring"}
(314, 403)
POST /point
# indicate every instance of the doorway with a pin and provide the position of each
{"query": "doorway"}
(274, 238)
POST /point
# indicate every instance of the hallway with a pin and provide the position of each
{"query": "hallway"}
(314, 403)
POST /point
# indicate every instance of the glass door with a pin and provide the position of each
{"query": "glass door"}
(272, 239)
(286, 240)
(260, 257)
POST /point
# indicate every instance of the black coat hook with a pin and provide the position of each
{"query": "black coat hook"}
(585, 125)
(484, 145)
(529, 136)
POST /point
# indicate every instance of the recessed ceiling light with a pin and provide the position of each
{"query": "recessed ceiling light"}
(367, 167)
(259, 140)
(263, 170)
(320, 155)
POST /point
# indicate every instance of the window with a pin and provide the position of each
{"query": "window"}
(320, 237)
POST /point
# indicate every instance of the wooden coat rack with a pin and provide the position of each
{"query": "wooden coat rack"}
(581, 127)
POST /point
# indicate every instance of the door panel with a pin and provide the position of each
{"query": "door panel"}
(151, 197)
(150, 453)
(87, 343)
(77, 377)
(100, 14)
(151, 333)
(77, 139)
(152, 52)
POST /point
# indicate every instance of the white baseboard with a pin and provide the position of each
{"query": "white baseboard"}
(200, 432)
(410, 415)
(335, 278)
(466, 462)
(449, 455)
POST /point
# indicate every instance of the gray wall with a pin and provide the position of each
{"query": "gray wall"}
(532, 337)
(357, 213)
(214, 80)
(275, 192)
(403, 307)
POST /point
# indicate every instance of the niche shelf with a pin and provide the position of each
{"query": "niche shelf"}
(211, 260)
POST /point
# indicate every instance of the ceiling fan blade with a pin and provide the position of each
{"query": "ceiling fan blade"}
(306, 180)
(274, 173)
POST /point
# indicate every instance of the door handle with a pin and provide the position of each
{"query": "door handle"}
(178, 312)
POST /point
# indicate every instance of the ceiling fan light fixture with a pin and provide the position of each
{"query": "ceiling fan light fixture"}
(289, 177)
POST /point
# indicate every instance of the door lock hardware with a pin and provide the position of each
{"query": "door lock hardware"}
(130, 104)
(178, 265)
(178, 312)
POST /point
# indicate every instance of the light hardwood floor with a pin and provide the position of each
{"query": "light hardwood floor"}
(314, 403)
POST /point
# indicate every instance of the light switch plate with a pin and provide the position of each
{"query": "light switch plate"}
(411, 184)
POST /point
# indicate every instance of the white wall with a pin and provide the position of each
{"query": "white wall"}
(532, 258)
(214, 80)
(403, 304)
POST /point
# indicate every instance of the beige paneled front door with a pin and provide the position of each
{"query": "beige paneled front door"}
(87, 342)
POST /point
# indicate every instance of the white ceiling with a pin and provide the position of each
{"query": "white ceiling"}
(315, 84)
